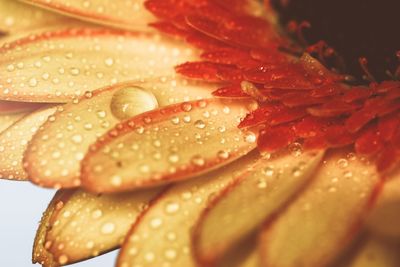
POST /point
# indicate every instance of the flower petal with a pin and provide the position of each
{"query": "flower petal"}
(58, 65)
(79, 225)
(384, 218)
(253, 197)
(129, 14)
(39, 253)
(162, 234)
(16, 17)
(14, 141)
(54, 156)
(314, 228)
(168, 144)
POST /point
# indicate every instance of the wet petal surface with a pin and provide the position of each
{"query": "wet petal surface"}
(161, 237)
(53, 158)
(78, 225)
(58, 65)
(169, 144)
(126, 14)
(16, 17)
(245, 204)
(325, 217)
(14, 141)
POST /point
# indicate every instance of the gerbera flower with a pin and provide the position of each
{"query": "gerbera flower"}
(199, 133)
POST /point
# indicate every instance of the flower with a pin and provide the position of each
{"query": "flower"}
(118, 116)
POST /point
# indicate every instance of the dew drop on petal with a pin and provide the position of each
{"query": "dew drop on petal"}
(63, 259)
(108, 228)
(130, 101)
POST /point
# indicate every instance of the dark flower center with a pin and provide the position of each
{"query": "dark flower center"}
(355, 29)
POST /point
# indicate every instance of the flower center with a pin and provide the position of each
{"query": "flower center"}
(362, 33)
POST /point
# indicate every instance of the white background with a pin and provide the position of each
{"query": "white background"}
(21, 207)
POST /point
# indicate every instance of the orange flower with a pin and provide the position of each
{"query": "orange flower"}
(194, 133)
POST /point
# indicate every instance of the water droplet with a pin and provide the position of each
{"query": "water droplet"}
(63, 259)
(186, 107)
(250, 137)
(155, 223)
(74, 71)
(171, 207)
(262, 183)
(116, 180)
(97, 214)
(170, 254)
(149, 256)
(198, 160)
(33, 82)
(108, 228)
(222, 154)
(343, 163)
(173, 158)
(200, 124)
(268, 171)
(109, 62)
(130, 101)
(77, 138)
(175, 120)
(89, 244)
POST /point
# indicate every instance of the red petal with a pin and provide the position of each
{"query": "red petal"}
(387, 126)
(357, 93)
(387, 159)
(275, 138)
(369, 142)
(338, 136)
(233, 90)
(259, 115)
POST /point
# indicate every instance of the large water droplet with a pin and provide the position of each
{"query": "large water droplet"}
(130, 101)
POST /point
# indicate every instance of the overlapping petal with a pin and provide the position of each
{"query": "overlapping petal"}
(162, 235)
(14, 141)
(78, 225)
(324, 218)
(60, 64)
(255, 196)
(125, 14)
(168, 144)
(53, 158)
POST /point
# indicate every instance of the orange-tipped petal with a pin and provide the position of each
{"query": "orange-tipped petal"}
(125, 14)
(384, 219)
(314, 228)
(161, 236)
(169, 144)
(53, 158)
(14, 141)
(58, 65)
(252, 198)
(39, 253)
(16, 17)
(80, 225)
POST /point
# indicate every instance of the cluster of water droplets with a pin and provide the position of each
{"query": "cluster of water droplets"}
(173, 142)
(163, 235)
(83, 225)
(49, 67)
